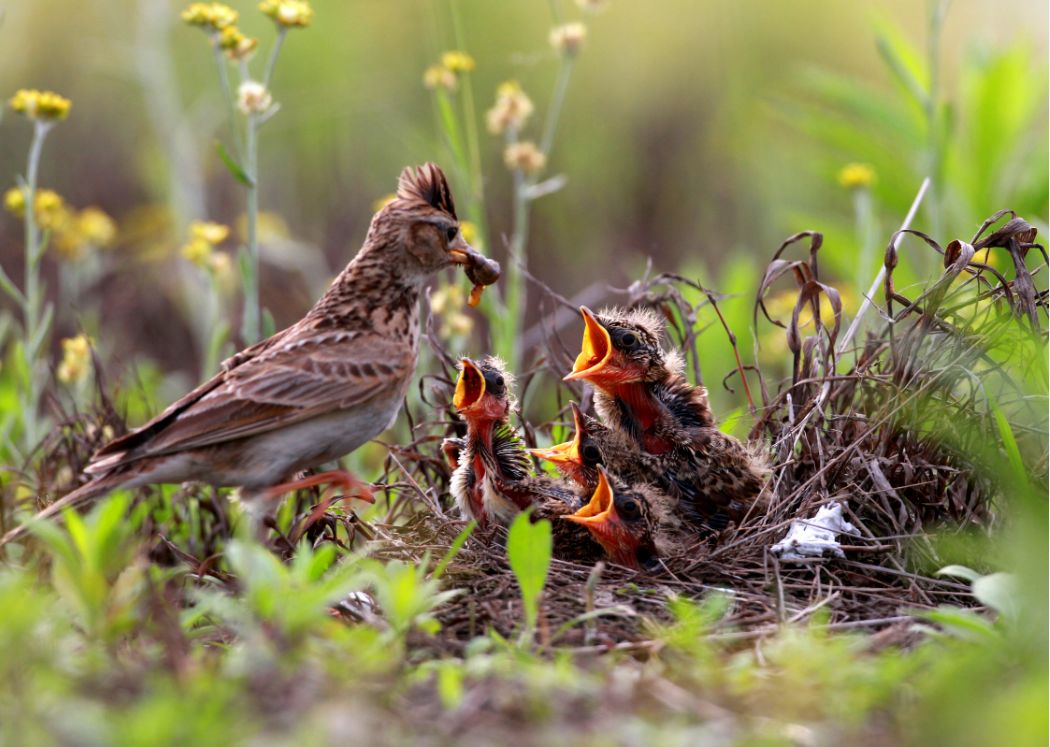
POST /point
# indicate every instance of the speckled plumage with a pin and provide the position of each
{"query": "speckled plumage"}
(316, 390)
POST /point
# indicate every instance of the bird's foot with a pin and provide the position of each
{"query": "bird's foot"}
(333, 478)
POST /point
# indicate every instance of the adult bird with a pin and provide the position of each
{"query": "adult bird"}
(312, 392)
(660, 428)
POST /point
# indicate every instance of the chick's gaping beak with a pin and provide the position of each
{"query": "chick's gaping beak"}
(600, 510)
(596, 349)
(470, 386)
(568, 452)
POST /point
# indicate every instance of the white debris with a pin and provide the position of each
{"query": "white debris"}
(816, 537)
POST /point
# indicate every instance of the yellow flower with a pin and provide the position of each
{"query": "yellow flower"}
(439, 76)
(470, 233)
(568, 38)
(95, 227)
(524, 156)
(456, 324)
(383, 201)
(51, 210)
(41, 105)
(207, 231)
(513, 107)
(446, 298)
(457, 61)
(15, 201)
(76, 359)
(210, 16)
(288, 13)
(253, 98)
(236, 45)
(198, 251)
(856, 175)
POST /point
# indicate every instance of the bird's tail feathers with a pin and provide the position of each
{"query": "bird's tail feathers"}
(97, 487)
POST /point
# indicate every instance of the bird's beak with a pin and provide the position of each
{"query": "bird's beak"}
(461, 252)
(600, 511)
(470, 386)
(568, 452)
(596, 350)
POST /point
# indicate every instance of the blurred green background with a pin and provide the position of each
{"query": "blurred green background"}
(699, 134)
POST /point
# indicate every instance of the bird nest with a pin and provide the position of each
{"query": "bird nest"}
(898, 428)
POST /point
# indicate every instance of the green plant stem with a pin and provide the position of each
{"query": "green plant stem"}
(561, 87)
(33, 341)
(252, 322)
(864, 219)
(227, 93)
(934, 154)
(275, 50)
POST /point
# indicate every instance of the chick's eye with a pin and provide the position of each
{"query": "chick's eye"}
(450, 233)
(629, 509)
(499, 381)
(629, 340)
(591, 453)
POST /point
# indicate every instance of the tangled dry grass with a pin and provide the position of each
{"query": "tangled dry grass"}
(873, 424)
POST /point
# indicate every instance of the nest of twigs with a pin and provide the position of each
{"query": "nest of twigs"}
(872, 423)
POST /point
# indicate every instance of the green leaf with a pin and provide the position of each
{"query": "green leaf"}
(232, 166)
(529, 548)
(959, 571)
(453, 550)
(1000, 591)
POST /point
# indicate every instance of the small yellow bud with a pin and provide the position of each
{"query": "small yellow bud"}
(856, 175)
(457, 62)
(288, 13)
(513, 107)
(198, 251)
(212, 233)
(383, 201)
(470, 233)
(236, 45)
(76, 359)
(568, 38)
(96, 228)
(15, 201)
(253, 98)
(439, 76)
(524, 156)
(41, 105)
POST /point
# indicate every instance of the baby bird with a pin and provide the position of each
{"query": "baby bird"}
(660, 428)
(620, 518)
(491, 455)
(578, 460)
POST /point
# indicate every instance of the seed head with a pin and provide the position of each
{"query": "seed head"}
(253, 98)
(76, 359)
(568, 38)
(236, 45)
(513, 107)
(524, 156)
(439, 76)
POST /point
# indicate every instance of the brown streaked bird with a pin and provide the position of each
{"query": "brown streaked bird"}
(316, 390)
(620, 518)
(660, 428)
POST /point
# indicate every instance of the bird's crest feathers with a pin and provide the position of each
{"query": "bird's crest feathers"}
(426, 185)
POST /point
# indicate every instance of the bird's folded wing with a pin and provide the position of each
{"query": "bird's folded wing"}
(297, 380)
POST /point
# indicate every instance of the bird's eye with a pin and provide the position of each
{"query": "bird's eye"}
(499, 381)
(451, 232)
(629, 340)
(629, 509)
(591, 454)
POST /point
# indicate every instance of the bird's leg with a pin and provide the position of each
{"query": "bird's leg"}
(337, 477)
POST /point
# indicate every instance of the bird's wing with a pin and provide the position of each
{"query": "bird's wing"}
(301, 378)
